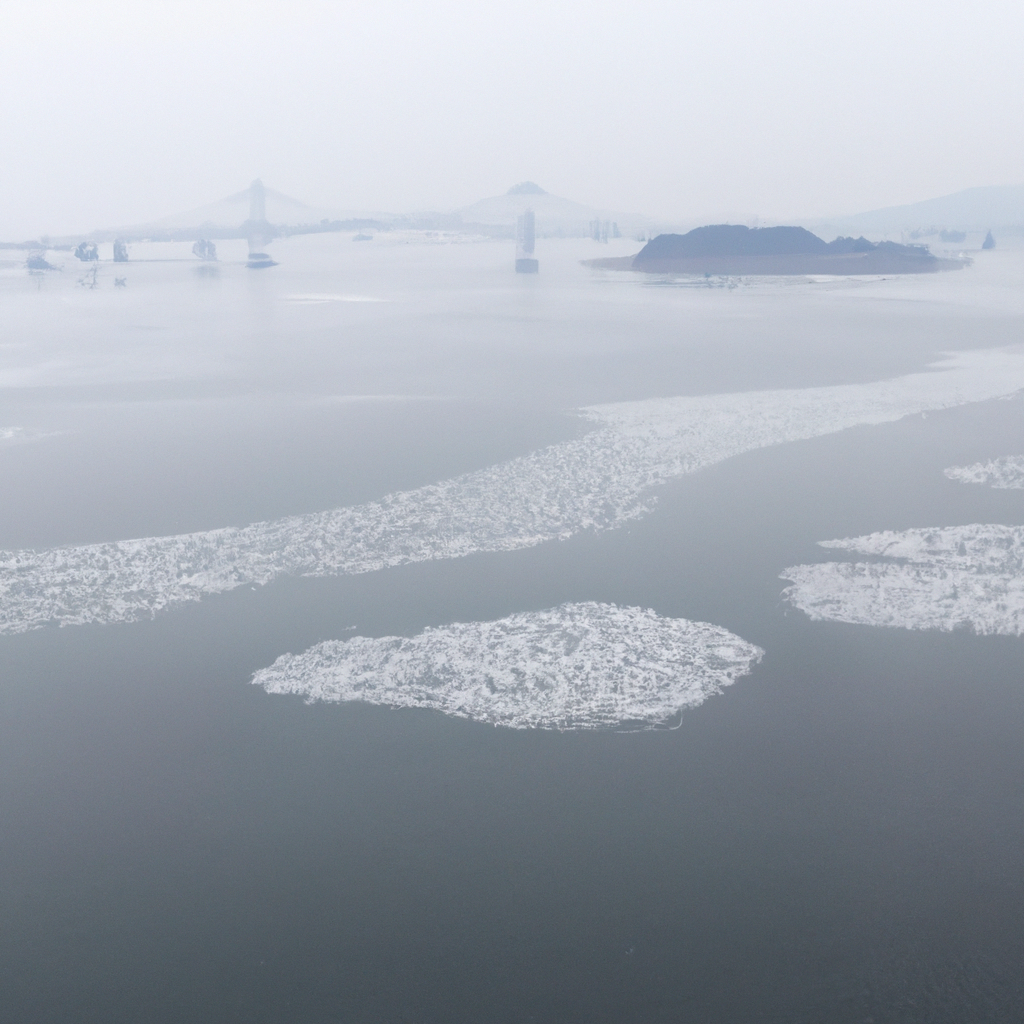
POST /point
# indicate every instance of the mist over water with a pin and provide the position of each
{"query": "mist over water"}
(829, 829)
(119, 113)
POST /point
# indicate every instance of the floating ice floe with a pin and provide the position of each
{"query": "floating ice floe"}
(1006, 473)
(597, 482)
(954, 577)
(578, 666)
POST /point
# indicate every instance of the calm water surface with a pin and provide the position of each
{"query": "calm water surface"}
(837, 837)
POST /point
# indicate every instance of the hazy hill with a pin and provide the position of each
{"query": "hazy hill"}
(973, 209)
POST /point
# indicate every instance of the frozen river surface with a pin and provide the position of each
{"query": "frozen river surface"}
(413, 496)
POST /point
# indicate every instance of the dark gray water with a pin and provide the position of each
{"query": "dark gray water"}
(839, 836)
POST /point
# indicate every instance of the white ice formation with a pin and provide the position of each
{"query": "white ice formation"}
(1004, 474)
(578, 666)
(597, 482)
(953, 577)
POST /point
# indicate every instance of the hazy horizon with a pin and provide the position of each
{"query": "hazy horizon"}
(118, 114)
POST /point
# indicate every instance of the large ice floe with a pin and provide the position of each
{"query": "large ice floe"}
(954, 577)
(578, 666)
(597, 482)
(1006, 473)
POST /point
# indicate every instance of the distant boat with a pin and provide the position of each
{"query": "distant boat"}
(205, 249)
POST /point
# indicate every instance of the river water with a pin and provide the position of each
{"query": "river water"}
(839, 835)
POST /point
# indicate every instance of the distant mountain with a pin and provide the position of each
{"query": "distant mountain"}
(526, 188)
(973, 209)
(554, 215)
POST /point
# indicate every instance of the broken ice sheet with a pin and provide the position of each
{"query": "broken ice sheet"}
(577, 666)
(1006, 473)
(597, 482)
(969, 577)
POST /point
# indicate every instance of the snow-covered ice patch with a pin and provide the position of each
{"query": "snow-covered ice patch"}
(1006, 473)
(578, 666)
(953, 577)
(596, 482)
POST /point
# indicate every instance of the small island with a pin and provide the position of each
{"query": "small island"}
(736, 249)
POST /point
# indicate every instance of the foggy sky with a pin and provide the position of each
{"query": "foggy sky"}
(114, 113)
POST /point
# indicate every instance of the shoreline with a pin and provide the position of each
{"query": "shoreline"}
(840, 264)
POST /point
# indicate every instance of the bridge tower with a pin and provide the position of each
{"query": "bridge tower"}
(259, 231)
(525, 238)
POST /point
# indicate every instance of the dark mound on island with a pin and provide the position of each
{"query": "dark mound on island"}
(735, 249)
